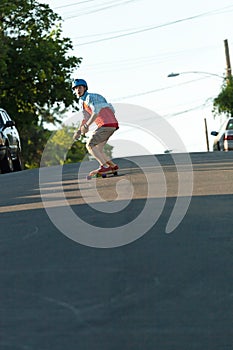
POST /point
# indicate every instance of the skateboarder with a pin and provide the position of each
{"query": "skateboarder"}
(96, 110)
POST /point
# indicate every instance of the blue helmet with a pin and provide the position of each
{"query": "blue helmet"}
(79, 82)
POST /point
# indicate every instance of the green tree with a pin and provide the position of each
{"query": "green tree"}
(61, 148)
(223, 103)
(36, 70)
(35, 138)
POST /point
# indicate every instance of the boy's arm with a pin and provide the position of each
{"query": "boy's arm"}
(94, 107)
(91, 119)
(81, 131)
(85, 127)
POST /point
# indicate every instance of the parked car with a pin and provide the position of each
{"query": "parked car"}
(10, 145)
(224, 137)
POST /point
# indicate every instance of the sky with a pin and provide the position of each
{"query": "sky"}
(130, 46)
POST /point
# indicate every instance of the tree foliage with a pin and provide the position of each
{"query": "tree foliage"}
(35, 70)
(61, 148)
(223, 103)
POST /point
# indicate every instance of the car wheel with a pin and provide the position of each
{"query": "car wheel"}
(17, 163)
(7, 163)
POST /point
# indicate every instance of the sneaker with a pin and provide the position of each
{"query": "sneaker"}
(103, 169)
(113, 166)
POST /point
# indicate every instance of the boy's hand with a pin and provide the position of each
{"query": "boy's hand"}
(84, 129)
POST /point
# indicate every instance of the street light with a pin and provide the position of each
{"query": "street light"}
(172, 75)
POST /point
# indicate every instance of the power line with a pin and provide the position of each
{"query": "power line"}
(157, 90)
(203, 105)
(171, 115)
(136, 62)
(74, 4)
(145, 29)
(110, 4)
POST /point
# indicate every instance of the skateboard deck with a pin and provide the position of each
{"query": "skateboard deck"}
(103, 175)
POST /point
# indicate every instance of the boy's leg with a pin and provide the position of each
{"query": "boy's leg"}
(102, 158)
(96, 144)
(97, 153)
(100, 148)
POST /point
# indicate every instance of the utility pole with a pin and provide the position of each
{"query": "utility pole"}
(228, 69)
(206, 135)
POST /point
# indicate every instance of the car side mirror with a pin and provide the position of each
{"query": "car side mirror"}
(214, 133)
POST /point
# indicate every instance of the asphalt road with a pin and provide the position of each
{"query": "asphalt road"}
(166, 285)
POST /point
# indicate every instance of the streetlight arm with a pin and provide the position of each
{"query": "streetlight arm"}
(171, 75)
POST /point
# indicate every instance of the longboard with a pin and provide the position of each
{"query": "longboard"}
(104, 175)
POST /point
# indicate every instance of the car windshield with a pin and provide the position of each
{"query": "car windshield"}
(230, 125)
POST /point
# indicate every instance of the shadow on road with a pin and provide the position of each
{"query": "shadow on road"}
(163, 291)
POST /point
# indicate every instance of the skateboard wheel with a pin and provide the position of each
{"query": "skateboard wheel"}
(89, 177)
(104, 176)
(115, 173)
